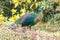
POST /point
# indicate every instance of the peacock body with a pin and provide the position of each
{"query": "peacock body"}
(28, 19)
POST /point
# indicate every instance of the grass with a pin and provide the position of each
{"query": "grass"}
(18, 34)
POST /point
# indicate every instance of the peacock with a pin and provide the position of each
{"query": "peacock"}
(29, 19)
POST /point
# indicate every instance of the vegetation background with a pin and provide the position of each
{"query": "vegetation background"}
(11, 10)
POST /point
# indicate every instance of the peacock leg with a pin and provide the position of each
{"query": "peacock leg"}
(29, 27)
